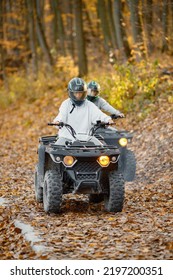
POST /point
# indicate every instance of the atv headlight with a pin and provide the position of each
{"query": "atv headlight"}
(103, 161)
(69, 160)
(123, 142)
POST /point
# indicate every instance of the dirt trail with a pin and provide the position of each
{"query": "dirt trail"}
(82, 231)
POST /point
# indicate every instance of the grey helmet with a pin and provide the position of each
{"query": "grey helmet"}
(77, 85)
(93, 90)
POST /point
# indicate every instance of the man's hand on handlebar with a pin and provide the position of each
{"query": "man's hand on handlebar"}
(120, 115)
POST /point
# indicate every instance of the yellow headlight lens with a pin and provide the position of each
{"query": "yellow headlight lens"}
(104, 161)
(68, 160)
(123, 142)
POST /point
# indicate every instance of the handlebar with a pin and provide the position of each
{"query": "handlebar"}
(68, 127)
(92, 131)
(55, 124)
(98, 125)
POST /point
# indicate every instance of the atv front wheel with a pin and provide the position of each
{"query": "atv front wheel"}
(114, 199)
(52, 192)
(127, 165)
(38, 188)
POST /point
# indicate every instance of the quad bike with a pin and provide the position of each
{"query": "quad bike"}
(83, 165)
(120, 139)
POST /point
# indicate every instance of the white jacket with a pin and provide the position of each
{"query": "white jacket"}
(102, 104)
(81, 118)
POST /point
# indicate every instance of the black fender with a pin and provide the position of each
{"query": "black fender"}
(41, 162)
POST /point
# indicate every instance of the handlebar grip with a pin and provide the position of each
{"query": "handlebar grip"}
(51, 124)
(55, 124)
(102, 124)
(114, 117)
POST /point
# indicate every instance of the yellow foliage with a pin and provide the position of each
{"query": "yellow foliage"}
(65, 68)
(127, 87)
(127, 83)
(28, 88)
(170, 99)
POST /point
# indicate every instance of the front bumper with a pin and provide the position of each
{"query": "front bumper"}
(87, 176)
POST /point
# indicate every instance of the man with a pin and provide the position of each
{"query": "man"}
(93, 91)
(77, 111)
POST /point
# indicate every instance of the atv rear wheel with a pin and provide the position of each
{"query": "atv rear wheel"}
(96, 198)
(38, 188)
(52, 192)
(114, 199)
(127, 165)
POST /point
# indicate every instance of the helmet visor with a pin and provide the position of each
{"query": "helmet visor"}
(92, 92)
(78, 95)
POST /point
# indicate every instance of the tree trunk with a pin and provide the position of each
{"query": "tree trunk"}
(69, 27)
(54, 25)
(59, 29)
(123, 26)
(171, 23)
(136, 29)
(165, 26)
(80, 40)
(111, 24)
(102, 13)
(9, 24)
(149, 21)
(42, 38)
(147, 15)
(120, 34)
(89, 21)
(2, 50)
(32, 39)
(135, 21)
